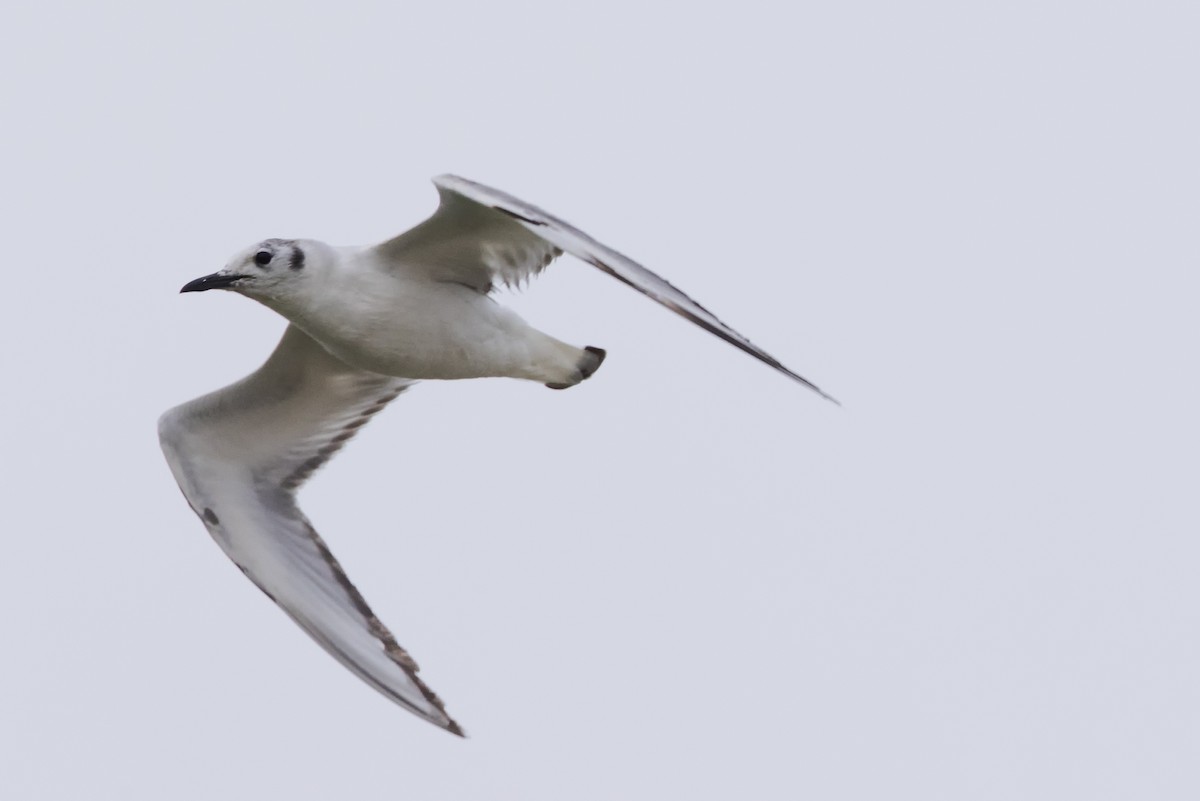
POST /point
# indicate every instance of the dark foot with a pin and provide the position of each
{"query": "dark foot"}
(590, 363)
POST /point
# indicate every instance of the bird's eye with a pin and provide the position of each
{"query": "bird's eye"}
(262, 258)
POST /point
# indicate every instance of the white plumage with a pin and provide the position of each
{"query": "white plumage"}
(367, 323)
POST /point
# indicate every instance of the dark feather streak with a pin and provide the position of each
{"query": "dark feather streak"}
(516, 216)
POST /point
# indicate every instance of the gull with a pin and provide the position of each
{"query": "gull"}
(365, 324)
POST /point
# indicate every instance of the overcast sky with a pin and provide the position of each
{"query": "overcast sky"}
(975, 224)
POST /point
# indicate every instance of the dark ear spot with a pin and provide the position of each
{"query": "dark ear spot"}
(297, 260)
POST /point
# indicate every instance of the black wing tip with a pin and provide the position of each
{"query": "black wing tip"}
(801, 379)
(826, 395)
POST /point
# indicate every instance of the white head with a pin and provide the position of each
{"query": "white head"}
(271, 272)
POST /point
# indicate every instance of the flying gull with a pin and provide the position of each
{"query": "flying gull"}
(366, 323)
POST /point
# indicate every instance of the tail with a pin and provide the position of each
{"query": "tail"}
(588, 363)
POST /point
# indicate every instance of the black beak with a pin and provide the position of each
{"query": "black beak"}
(214, 281)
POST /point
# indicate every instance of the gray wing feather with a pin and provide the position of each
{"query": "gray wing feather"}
(239, 455)
(470, 244)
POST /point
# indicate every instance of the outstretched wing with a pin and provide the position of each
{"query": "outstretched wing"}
(240, 453)
(481, 236)
(471, 244)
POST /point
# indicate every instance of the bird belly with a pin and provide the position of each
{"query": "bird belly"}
(447, 333)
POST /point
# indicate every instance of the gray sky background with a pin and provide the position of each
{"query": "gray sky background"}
(689, 578)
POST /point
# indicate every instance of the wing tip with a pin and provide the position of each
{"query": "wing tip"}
(828, 397)
(801, 379)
